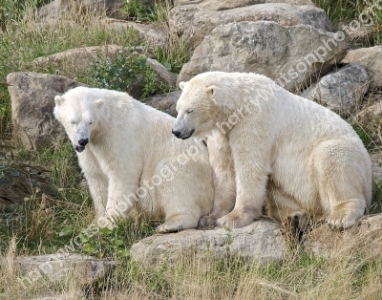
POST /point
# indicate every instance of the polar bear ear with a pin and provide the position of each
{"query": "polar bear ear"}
(59, 100)
(219, 98)
(99, 103)
(182, 85)
(211, 90)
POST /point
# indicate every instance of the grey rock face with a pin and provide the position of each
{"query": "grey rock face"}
(371, 59)
(218, 5)
(192, 22)
(342, 91)
(292, 56)
(165, 102)
(32, 98)
(85, 269)
(260, 241)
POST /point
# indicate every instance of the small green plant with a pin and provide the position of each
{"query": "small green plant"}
(138, 11)
(124, 69)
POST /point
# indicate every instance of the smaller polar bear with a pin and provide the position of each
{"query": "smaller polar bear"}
(130, 159)
(271, 148)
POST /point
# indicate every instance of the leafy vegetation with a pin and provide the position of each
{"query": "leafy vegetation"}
(123, 69)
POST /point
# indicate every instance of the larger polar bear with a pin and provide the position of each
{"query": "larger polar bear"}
(130, 159)
(298, 155)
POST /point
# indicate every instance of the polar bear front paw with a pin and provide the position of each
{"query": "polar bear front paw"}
(207, 221)
(105, 221)
(340, 221)
(235, 220)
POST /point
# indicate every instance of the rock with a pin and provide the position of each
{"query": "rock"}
(63, 9)
(293, 56)
(260, 241)
(152, 34)
(32, 99)
(364, 237)
(218, 5)
(371, 59)
(192, 22)
(76, 61)
(18, 182)
(164, 102)
(85, 269)
(343, 91)
(358, 35)
(371, 114)
(162, 73)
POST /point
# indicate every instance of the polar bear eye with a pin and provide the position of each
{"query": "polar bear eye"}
(91, 122)
(190, 110)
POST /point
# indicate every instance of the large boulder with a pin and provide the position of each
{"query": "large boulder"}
(293, 56)
(32, 99)
(193, 22)
(260, 241)
(218, 5)
(341, 91)
(371, 59)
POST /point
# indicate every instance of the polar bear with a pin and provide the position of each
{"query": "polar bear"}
(283, 152)
(131, 160)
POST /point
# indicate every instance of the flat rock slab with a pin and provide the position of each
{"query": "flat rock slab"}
(56, 267)
(261, 241)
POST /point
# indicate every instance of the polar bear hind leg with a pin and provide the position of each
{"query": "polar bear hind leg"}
(343, 172)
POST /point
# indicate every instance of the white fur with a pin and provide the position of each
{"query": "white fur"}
(129, 144)
(277, 146)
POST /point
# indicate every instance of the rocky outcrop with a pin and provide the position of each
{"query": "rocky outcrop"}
(371, 59)
(260, 241)
(342, 91)
(293, 56)
(32, 98)
(193, 22)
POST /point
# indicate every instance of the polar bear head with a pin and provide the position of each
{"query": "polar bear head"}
(80, 111)
(202, 103)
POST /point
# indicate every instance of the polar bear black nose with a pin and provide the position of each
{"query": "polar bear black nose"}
(83, 142)
(176, 133)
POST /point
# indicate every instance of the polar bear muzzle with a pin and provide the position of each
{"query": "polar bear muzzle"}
(183, 135)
